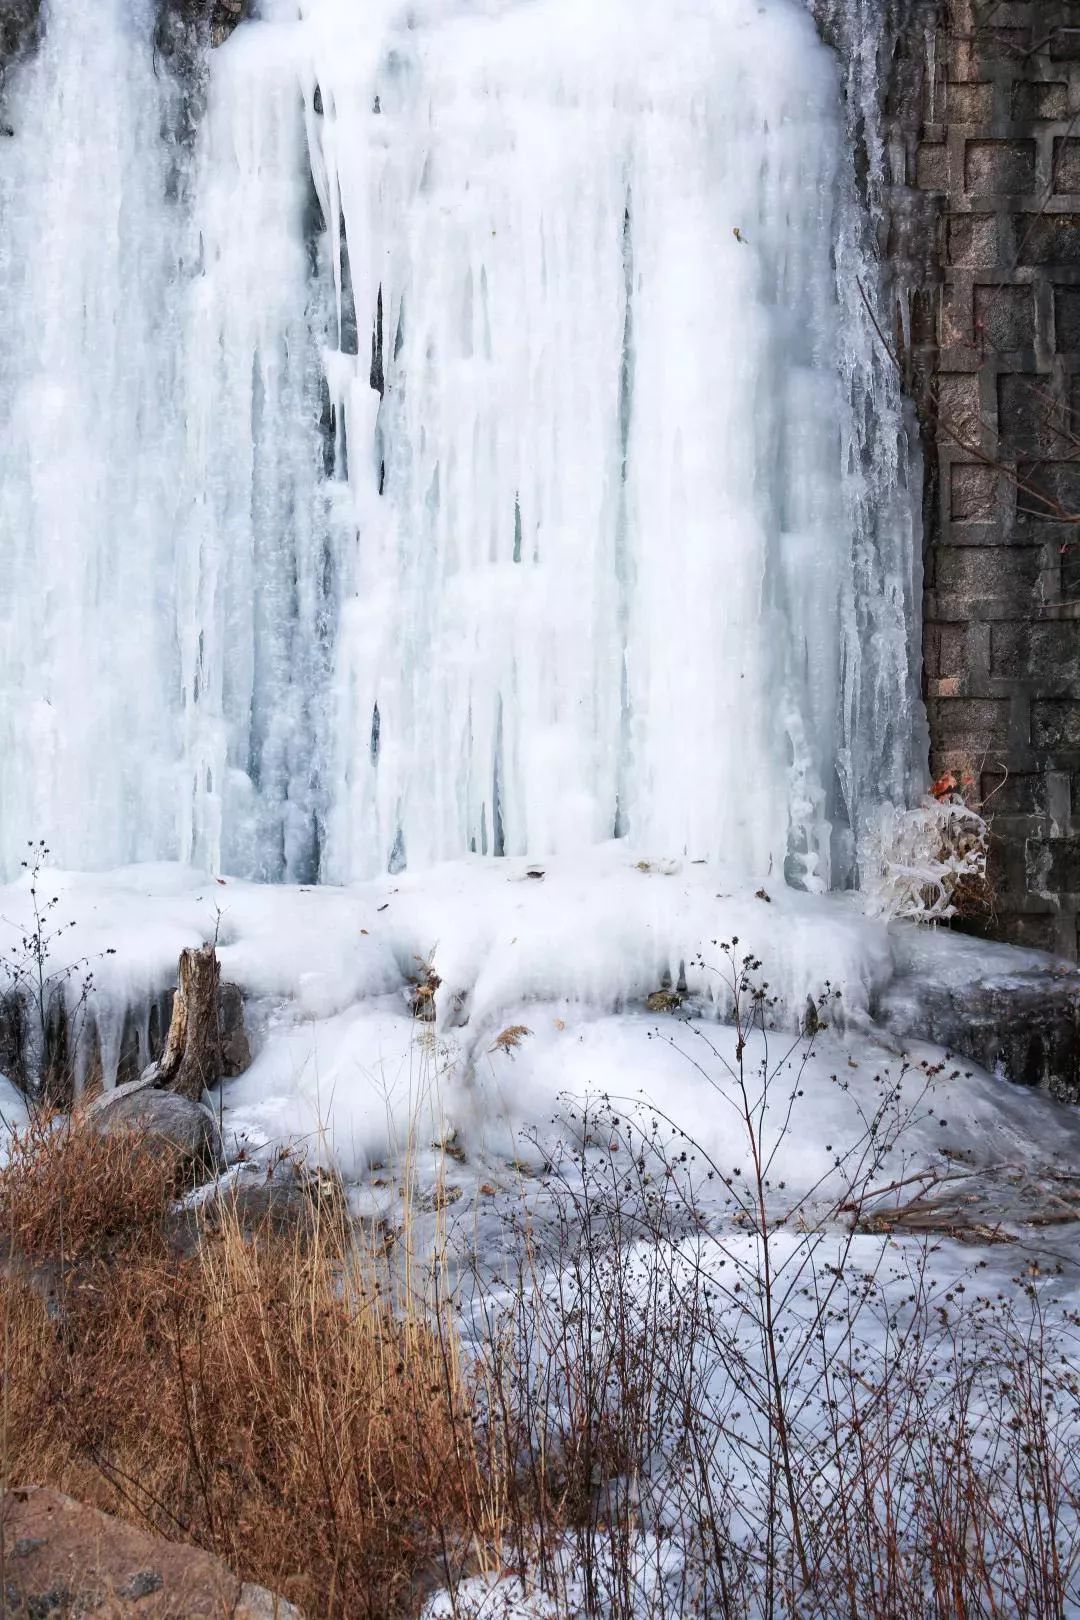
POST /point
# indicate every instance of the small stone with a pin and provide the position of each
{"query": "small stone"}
(256, 1603)
(142, 1583)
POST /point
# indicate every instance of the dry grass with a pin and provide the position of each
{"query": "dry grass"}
(68, 1193)
(806, 1448)
(261, 1399)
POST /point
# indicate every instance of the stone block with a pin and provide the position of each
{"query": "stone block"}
(932, 166)
(1055, 723)
(1044, 239)
(1048, 492)
(1046, 652)
(1067, 319)
(1029, 417)
(973, 240)
(959, 414)
(973, 489)
(1000, 13)
(969, 103)
(1066, 164)
(973, 724)
(1037, 933)
(1032, 102)
(954, 330)
(956, 651)
(1005, 317)
(1054, 864)
(1019, 793)
(999, 168)
(1065, 43)
(1070, 572)
(990, 45)
(969, 574)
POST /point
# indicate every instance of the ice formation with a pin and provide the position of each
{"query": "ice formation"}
(451, 441)
(470, 442)
(570, 954)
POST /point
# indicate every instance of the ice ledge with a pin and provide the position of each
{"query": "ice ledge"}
(604, 931)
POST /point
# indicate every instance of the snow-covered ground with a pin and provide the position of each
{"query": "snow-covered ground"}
(577, 1043)
(541, 977)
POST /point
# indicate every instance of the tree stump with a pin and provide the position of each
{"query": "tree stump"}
(191, 1061)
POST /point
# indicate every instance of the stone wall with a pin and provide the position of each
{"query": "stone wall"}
(998, 371)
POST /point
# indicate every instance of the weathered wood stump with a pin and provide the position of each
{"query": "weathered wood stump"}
(191, 1061)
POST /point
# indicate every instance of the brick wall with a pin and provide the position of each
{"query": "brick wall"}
(998, 368)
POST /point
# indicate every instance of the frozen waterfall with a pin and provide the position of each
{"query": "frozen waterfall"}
(472, 438)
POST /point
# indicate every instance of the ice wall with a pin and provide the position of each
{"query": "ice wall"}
(473, 444)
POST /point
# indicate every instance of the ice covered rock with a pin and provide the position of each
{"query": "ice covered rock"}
(1014, 1012)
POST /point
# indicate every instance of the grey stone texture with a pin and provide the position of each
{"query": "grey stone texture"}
(171, 1123)
(997, 149)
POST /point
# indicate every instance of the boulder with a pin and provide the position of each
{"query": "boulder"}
(63, 1559)
(286, 1197)
(179, 1125)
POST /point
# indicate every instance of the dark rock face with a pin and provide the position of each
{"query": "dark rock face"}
(74, 1047)
(13, 1039)
(224, 17)
(186, 26)
(182, 25)
(20, 27)
(233, 1048)
(1011, 1011)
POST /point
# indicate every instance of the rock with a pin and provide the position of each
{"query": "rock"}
(258, 1603)
(177, 1124)
(74, 1048)
(13, 1038)
(1012, 1011)
(234, 1052)
(64, 1559)
(224, 18)
(284, 1197)
(20, 28)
